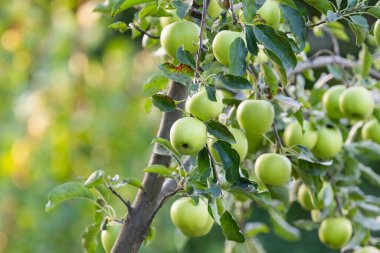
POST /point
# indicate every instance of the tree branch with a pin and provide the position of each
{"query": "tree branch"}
(203, 21)
(148, 202)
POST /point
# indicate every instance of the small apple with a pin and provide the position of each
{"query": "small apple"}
(214, 9)
(180, 33)
(109, 235)
(304, 198)
(255, 117)
(255, 142)
(270, 11)
(376, 32)
(273, 169)
(329, 142)
(191, 218)
(330, 101)
(202, 107)
(356, 103)
(165, 21)
(294, 135)
(188, 135)
(241, 145)
(371, 131)
(335, 232)
(221, 45)
(368, 249)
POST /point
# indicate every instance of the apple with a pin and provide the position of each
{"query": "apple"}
(214, 9)
(273, 169)
(356, 103)
(191, 218)
(329, 142)
(165, 21)
(304, 198)
(294, 135)
(368, 249)
(241, 145)
(255, 117)
(335, 232)
(180, 33)
(330, 101)
(262, 56)
(270, 11)
(188, 135)
(202, 107)
(371, 131)
(221, 45)
(255, 142)
(376, 32)
(109, 235)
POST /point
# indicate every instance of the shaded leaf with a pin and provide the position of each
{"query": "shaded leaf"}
(237, 54)
(230, 228)
(182, 73)
(164, 103)
(234, 82)
(220, 131)
(159, 169)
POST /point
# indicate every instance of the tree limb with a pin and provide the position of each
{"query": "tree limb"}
(148, 202)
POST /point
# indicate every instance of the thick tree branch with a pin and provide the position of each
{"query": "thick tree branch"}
(148, 202)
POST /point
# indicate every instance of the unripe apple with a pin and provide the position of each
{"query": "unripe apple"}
(271, 13)
(240, 145)
(294, 135)
(376, 32)
(180, 33)
(165, 21)
(335, 232)
(191, 218)
(356, 103)
(188, 135)
(273, 169)
(368, 249)
(330, 101)
(307, 201)
(221, 45)
(304, 198)
(255, 117)
(255, 142)
(329, 142)
(109, 235)
(214, 9)
(371, 131)
(202, 107)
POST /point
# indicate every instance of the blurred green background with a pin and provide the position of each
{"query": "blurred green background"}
(71, 102)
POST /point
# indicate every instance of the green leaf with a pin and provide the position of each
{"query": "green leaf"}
(185, 57)
(237, 54)
(279, 45)
(152, 11)
(270, 79)
(182, 7)
(369, 174)
(249, 9)
(230, 159)
(133, 181)
(374, 11)
(289, 3)
(167, 145)
(211, 92)
(360, 21)
(122, 5)
(150, 235)
(119, 25)
(94, 179)
(182, 73)
(254, 228)
(230, 228)
(283, 228)
(234, 82)
(155, 84)
(204, 165)
(321, 5)
(164, 103)
(289, 101)
(367, 149)
(296, 23)
(159, 169)
(89, 238)
(220, 131)
(278, 66)
(359, 31)
(332, 16)
(365, 59)
(251, 40)
(68, 191)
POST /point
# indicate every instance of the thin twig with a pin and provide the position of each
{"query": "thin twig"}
(278, 139)
(125, 202)
(203, 21)
(337, 200)
(133, 26)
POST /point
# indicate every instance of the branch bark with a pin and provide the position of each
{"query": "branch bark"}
(148, 202)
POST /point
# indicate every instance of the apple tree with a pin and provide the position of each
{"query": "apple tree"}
(253, 116)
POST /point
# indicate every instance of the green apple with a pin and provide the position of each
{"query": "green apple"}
(255, 142)
(304, 198)
(376, 32)
(371, 131)
(221, 45)
(271, 13)
(330, 101)
(214, 9)
(165, 21)
(329, 142)
(262, 56)
(255, 117)
(273, 169)
(188, 135)
(356, 103)
(202, 107)
(109, 234)
(368, 249)
(191, 218)
(241, 145)
(178, 34)
(294, 135)
(335, 232)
